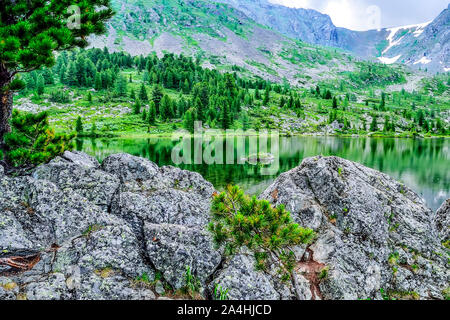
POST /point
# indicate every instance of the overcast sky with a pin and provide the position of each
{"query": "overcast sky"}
(373, 14)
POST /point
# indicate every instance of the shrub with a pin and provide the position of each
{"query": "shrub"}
(269, 233)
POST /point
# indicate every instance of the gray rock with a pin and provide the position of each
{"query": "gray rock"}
(172, 248)
(129, 168)
(81, 159)
(34, 214)
(113, 246)
(363, 219)
(2, 171)
(162, 206)
(159, 288)
(112, 286)
(242, 281)
(442, 221)
(51, 287)
(82, 176)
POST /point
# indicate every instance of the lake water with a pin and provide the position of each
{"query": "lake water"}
(421, 164)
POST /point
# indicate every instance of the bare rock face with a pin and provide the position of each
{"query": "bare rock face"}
(376, 237)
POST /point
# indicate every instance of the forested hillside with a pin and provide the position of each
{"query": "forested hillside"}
(101, 93)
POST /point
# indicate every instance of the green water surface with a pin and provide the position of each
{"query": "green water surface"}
(421, 164)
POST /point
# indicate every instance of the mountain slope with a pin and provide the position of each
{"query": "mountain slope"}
(420, 46)
(425, 45)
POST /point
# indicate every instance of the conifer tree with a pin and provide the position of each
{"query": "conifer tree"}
(226, 120)
(152, 113)
(32, 30)
(79, 125)
(98, 85)
(40, 85)
(189, 119)
(157, 95)
(137, 107)
(121, 86)
(165, 108)
(266, 96)
(143, 96)
(32, 142)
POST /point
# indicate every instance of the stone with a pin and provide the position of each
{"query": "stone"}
(442, 221)
(81, 159)
(173, 248)
(81, 176)
(159, 288)
(363, 219)
(243, 282)
(129, 168)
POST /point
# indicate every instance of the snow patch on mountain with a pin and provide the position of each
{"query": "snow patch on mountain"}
(418, 30)
(423, 60)
(386, 60)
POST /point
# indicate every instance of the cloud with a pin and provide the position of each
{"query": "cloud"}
(372, 14)
(344, 13)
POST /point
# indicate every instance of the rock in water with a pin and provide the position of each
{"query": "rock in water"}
(375, 236)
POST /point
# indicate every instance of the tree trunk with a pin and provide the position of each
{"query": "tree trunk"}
(6, 104)
(6, 101)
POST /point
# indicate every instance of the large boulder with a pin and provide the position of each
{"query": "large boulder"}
(374, 234)
(168, 204)
(85, 231)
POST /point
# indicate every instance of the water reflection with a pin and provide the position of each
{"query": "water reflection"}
(423, 165)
